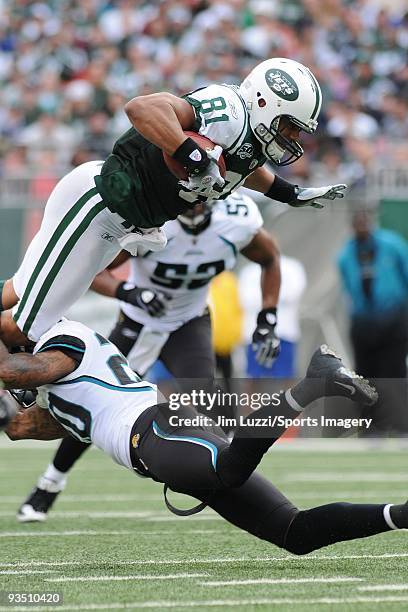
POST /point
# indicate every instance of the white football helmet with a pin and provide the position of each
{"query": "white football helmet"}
(277, 88)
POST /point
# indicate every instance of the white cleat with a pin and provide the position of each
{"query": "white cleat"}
(27, 514)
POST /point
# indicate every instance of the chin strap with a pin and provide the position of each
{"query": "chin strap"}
(179, 512)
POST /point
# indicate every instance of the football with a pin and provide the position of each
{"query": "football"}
(205, 143)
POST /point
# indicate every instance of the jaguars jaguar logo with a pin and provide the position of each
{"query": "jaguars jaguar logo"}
(282, 84)
(245, 151)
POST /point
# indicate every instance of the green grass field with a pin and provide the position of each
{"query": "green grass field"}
(111, 544)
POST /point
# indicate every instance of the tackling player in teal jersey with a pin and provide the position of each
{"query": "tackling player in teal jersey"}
(87, 390)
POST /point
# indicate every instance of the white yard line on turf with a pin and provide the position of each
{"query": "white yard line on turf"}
(148, 515)
(119, 578)
(388, 494)
(277, 581)
(391, 445)
(196, 561)
(23, 572)
(119, 499)
(69, 499)
(325, 601)
(91, 532)
(340, 475)
(384, 587)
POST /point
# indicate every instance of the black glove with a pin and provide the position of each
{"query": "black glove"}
(7, 410)
(153, 302)
(24, 397)
(264, 340)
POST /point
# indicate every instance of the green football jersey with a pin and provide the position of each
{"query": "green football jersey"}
(136, 183)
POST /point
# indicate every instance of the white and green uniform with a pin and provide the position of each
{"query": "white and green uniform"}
(78, 238)
(184, 269)
(94, 207)
(101, 399)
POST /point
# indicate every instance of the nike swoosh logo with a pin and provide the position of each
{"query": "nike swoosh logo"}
(349, 387)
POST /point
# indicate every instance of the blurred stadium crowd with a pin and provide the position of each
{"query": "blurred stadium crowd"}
(68, 67)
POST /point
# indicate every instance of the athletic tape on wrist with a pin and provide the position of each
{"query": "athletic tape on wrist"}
(282, 190)
(191, 156)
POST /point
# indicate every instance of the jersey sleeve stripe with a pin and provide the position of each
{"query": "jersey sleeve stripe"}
(106, 385)
(318, 100)
(196, 106)
(61, 344)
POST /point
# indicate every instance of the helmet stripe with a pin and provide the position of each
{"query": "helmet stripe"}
(318, 96)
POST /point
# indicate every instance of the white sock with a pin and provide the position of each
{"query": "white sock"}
(387, 517)
(292, 402)
(52, 480)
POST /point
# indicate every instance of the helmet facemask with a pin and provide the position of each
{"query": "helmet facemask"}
(276, 146)
(196, 219)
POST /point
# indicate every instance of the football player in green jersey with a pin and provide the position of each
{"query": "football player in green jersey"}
(101, 207)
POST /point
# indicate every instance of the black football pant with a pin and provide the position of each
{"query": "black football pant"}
(187, 353)
(200, 461)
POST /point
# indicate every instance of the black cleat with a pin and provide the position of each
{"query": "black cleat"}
(339, 380)
(36, 506)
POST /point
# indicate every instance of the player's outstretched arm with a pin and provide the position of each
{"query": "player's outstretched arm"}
(25, 371)
(260, 180)
(264, 250)
(161, 119)
(34, 423)
(276, 188)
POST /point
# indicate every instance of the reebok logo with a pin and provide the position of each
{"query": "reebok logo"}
(349, 387)
(107, 237)
(195, 155)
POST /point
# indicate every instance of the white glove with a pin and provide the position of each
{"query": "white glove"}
(306, 196)
(150, 239)
(203, 183)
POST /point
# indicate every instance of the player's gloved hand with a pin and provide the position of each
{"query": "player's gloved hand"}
(203, 182)
(307, 196)
(7, 409)
(264, 340)
(153, 302)
(24, 397)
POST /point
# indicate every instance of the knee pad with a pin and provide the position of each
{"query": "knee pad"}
(300, 537)
(274, 527)
(232, 469)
